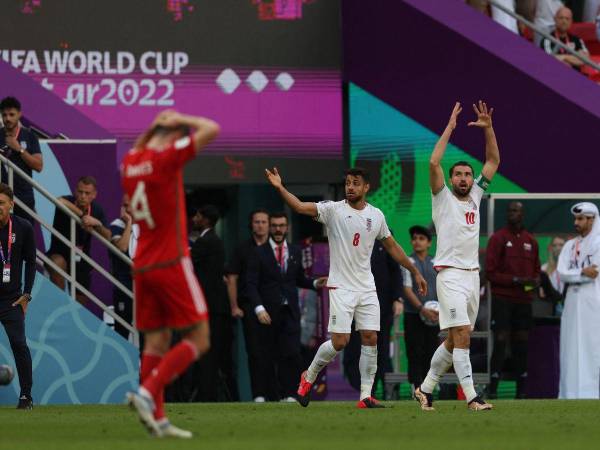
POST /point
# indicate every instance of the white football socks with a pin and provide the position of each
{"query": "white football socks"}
(440, 363)
(324, 356)
(462, 367)
(367, 366)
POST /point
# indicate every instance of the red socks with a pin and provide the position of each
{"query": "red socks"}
(162, 371)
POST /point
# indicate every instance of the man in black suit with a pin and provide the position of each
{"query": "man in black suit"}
(388, 282)
(274, 273)
(214, 373)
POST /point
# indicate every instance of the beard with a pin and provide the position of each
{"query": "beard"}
(462, 191)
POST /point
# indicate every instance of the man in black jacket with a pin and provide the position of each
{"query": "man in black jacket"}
(17, 246)
(274, 274)
(215, 370)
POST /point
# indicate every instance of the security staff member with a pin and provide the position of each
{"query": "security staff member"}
(512, 267)
(17, 245)
(21, 146)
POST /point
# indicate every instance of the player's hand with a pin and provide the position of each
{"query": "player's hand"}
(274, 177)
(590, 271)
(23, 301)
(12, 142)
(398, 308)
(421, 284)
(454, 116)
(237, 312)
(430, 314)
(484, 117)
(264, 318)
(321, 282)
(168, 118)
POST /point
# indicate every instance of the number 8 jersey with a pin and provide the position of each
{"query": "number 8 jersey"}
(153, 181)
(457, 227)
(351, 233)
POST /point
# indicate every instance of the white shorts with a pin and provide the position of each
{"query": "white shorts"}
(458, 294)
(345, 305)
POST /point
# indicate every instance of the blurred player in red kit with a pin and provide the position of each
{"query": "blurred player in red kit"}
(168, 295)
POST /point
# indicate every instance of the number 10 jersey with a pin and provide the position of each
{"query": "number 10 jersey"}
(457, 227)
(153, 181)
(351, 233)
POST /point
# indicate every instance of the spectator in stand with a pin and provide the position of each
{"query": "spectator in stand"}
(92, 216)
(545, 12)
(238, 296)
(388, 283)
(421, 325)
(591, 9)
(504, 19)
(20, 145)
(274, 274)
(598, 24)
(216, 380)
(564, 20)
(125, 234)
(513, 270)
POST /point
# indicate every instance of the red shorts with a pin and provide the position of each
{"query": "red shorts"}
(169, 297)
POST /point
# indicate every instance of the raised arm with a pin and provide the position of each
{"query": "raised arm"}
(400, 257)
(203, 130)
(306, 208)
(492, 153)
(436, 174)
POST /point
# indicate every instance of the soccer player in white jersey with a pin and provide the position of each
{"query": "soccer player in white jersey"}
(456, 217)
(352, 226)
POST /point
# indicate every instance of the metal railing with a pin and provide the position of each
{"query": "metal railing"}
(545, 34)
(75, 252)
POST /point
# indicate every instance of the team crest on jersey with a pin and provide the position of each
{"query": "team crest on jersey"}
(369, 224)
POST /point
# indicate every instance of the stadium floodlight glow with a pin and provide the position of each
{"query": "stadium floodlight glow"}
(257, 81)
(228, 81)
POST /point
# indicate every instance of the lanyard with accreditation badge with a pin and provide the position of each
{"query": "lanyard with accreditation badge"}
(6, 261)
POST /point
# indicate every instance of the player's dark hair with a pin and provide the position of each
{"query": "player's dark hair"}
(6, 190)
(257, 211)
(10, 103)
(358, 172)
(210, 212)
(279, 215)
(460, 163)
(88, 179)
(160, 130)
(419, 230)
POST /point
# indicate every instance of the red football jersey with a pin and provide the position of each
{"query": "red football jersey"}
(153, 180)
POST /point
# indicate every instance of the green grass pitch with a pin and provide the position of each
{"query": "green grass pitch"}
(323, 425)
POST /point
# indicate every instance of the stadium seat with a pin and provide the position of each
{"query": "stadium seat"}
(587, 32)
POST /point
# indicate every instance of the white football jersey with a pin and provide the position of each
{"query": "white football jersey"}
(351, 234)
(457, 226)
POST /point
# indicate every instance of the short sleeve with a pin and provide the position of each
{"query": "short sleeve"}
(406, 277)
(181, 151)
(33, 145)
(384, 231)
(479, 187)
(99, 214)
(439, 200)
(325, 211)
(116, 228)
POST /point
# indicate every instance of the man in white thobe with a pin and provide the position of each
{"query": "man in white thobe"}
(579, 337)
